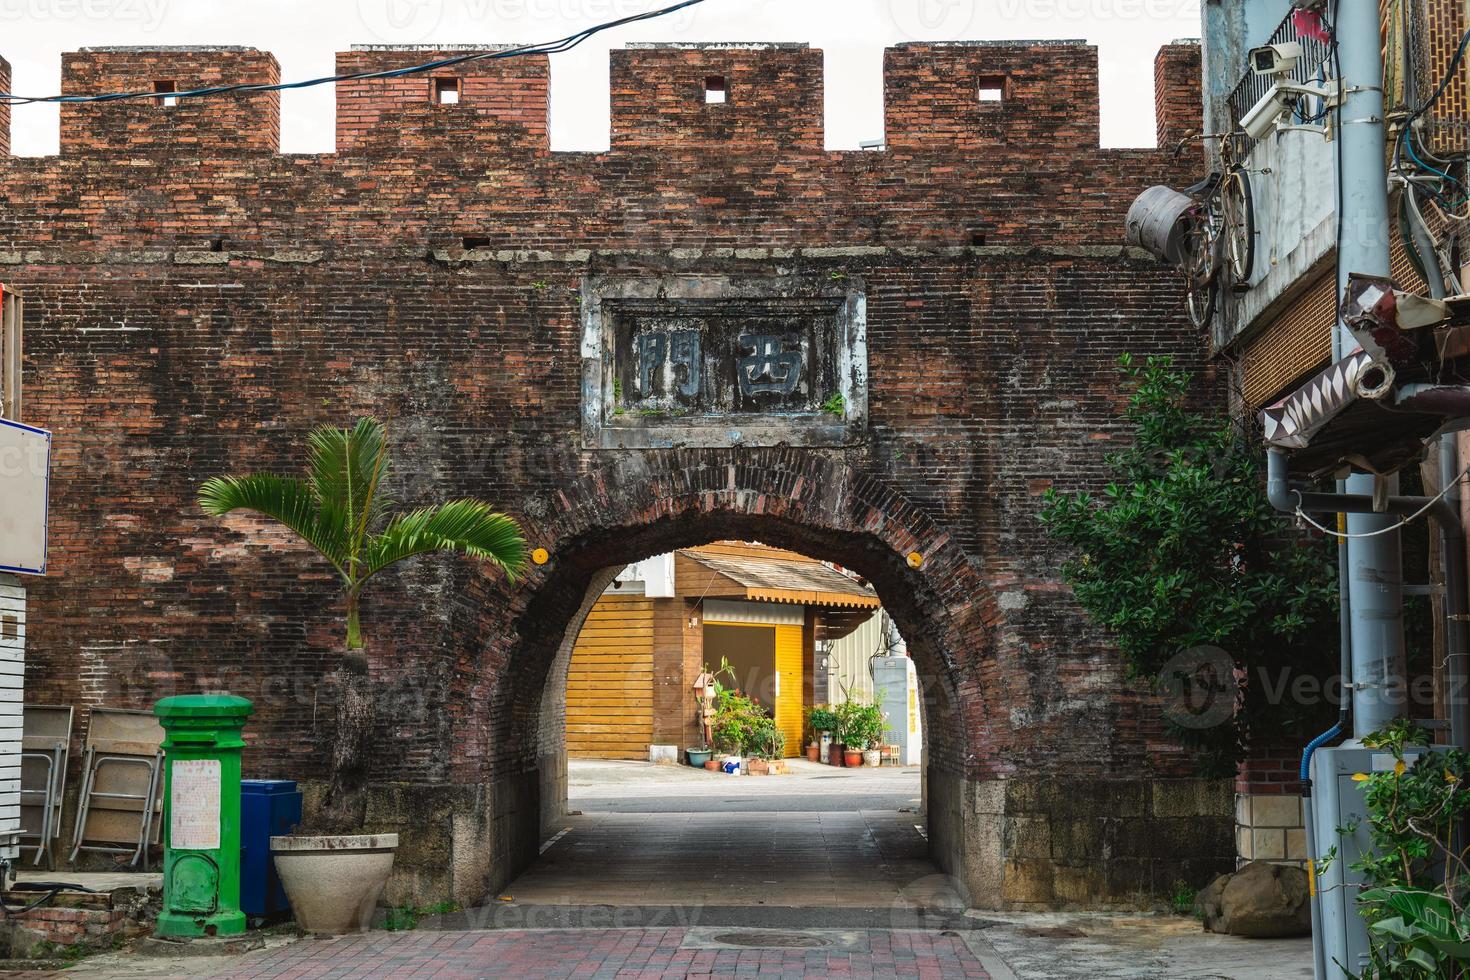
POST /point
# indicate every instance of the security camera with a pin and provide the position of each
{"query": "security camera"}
(1263, 116)
(1275, 59)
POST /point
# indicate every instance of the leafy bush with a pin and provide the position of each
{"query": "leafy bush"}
(1181, 550)
(820, 719)
(743, 726)
(1416, 905)
(859, 726)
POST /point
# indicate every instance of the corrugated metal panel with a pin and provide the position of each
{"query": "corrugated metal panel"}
(610, 681)
(847, 660)
(760, 613)
(788, 700)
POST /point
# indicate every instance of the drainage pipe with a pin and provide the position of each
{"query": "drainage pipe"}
(1344, 677)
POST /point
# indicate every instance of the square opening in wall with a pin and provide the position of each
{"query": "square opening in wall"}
(993, 88)
(716, 92)
(446, 91)
(168, 101)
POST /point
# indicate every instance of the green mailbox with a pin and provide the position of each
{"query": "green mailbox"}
(201, 814)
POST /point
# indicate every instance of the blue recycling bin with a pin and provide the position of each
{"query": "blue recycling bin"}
(268, 808)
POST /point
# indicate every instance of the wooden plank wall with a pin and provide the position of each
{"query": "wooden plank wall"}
(610, 681)
(12, 682)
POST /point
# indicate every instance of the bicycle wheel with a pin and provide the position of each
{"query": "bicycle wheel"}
(1200, 281)
(1238, 211)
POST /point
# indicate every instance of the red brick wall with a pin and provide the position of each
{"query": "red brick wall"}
(1048, 104)
(4, 108)
(502, 101)
(221, 126)
(1178, 109)
(195, 306)
(773, 98)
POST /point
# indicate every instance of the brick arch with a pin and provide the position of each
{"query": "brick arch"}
(810, 501)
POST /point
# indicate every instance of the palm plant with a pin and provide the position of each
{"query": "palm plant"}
(342, 509)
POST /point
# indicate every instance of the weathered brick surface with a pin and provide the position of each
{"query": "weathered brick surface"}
(1177, 79)
(196, 305)
(226, 125)
(502, 102)
(4, 108)
(1048, 103)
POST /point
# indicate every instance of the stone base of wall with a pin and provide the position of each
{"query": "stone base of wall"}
(1058, 843)
(1013, 843)
(460, 843)
(1269, 827)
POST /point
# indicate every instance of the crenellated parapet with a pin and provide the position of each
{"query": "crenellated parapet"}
(223, 125)
(732, 97)
(988, 94)
(725, 98)
(491, 102)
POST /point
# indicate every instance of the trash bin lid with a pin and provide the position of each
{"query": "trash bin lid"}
(266, 787)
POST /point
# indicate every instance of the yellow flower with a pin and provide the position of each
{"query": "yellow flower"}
(1360, 777)
(1450, 777)
(1399, 767)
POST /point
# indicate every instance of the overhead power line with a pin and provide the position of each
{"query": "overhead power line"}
(546, 47)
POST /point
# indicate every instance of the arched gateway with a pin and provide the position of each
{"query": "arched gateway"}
(717, 329)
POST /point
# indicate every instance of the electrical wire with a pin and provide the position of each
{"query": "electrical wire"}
(547, 47)
(1383, 530)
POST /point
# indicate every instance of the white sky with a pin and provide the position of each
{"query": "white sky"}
(305, 34)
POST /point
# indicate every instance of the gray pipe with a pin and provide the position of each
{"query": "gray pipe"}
(1375, 564)
(1457, 630)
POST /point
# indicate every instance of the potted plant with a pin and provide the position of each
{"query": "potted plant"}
(335, 873)
(861, 728)
(699, 756)
(823, 723)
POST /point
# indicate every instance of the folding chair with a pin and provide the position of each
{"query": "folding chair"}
(45, 751)
(122, 776)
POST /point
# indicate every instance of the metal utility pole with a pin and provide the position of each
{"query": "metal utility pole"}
(1375, 565)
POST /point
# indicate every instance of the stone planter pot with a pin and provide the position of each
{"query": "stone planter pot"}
(698, 757)
(835, 754)
(852, 758)
(814, 752)
(334, 882)
(872, 757)
(758, 767)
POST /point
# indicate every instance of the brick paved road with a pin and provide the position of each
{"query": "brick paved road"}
(610, 953)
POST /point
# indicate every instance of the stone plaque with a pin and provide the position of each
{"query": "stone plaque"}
(712, 361)
(194, 806)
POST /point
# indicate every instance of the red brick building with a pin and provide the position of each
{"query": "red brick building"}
(198, 301)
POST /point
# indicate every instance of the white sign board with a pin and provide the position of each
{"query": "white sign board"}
(193, 805)
(25, 463)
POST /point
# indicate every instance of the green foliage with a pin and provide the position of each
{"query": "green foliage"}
(1419, 883)
(1182, 902)
(742, 726)
(859, 725)
(1181, 550)
(820, 719)
(835, 405)
(342, 509)
(405, 918)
